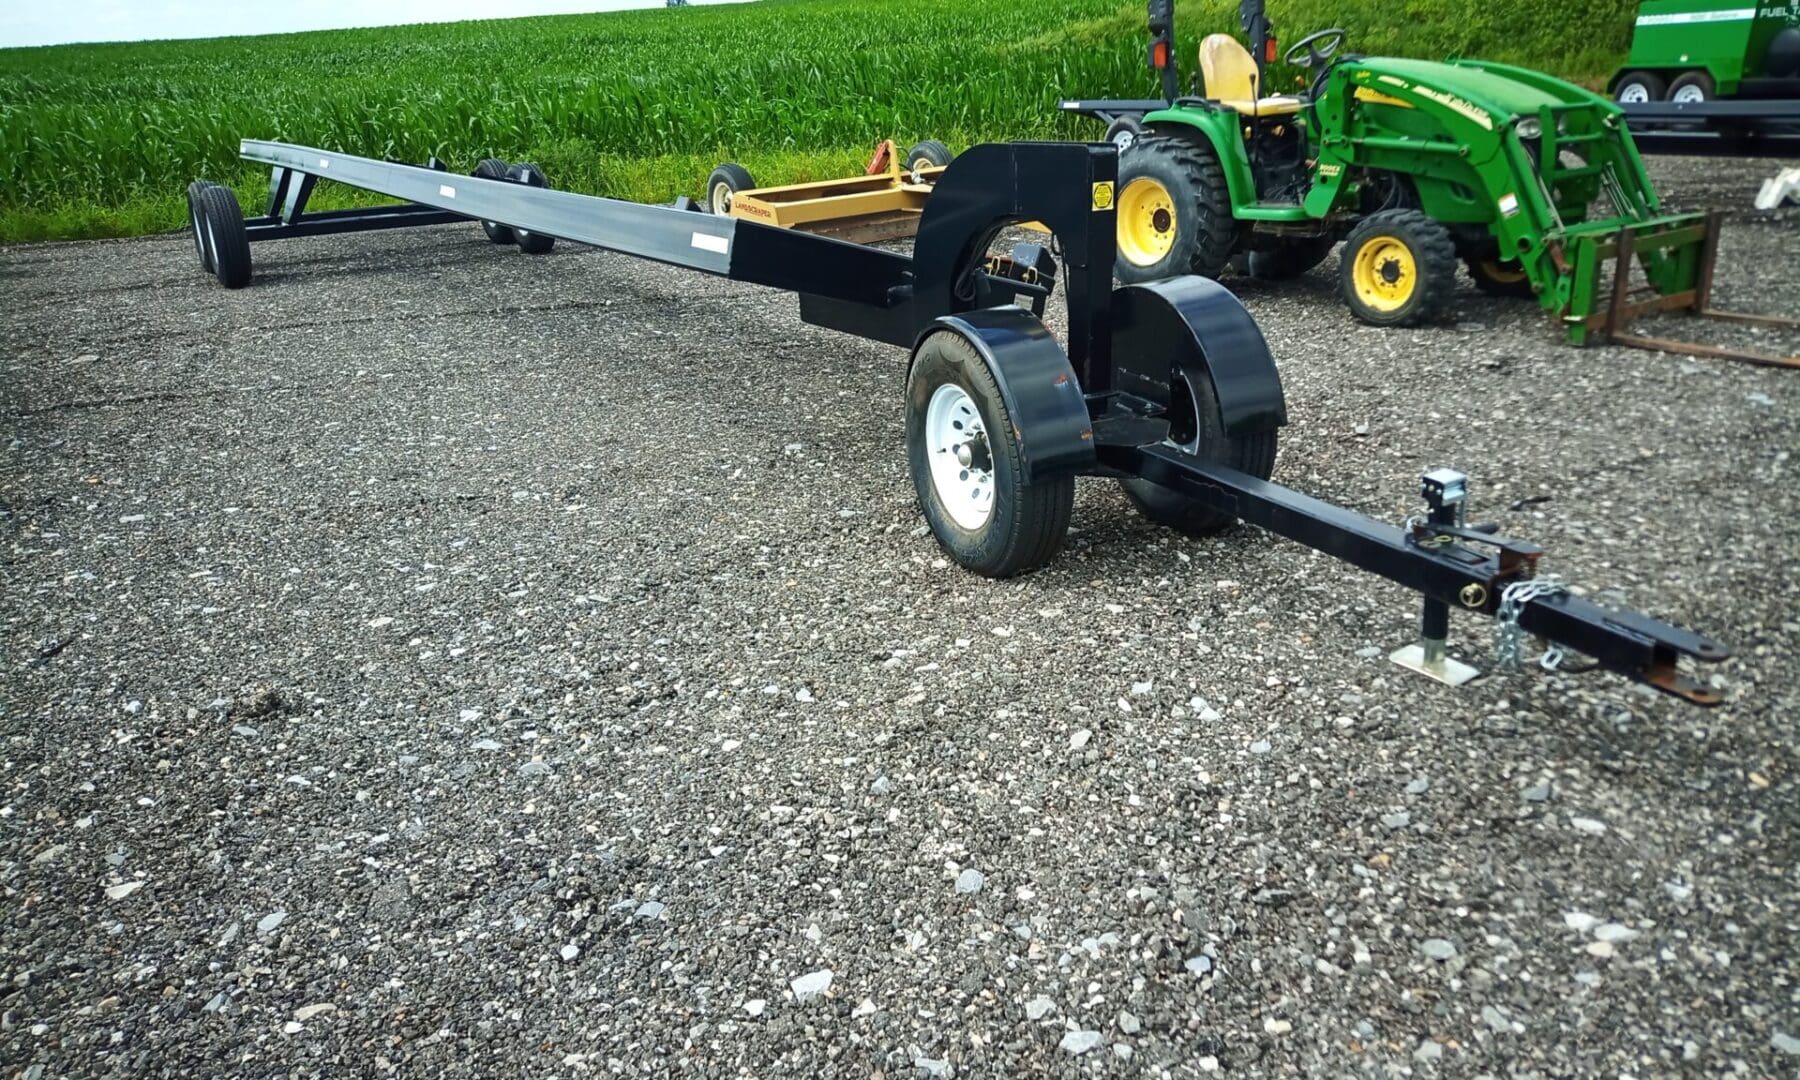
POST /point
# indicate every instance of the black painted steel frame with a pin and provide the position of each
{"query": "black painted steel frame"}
(1079, 407)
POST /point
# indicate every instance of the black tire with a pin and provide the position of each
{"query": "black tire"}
(1203, 232)
(195, 226)
(1254, 454)
(1289, 258)
(1026, 523)
(494, 169)
(927, 152)
(1497, 277)
(726, 180)
(226, 238)
(1124, 132)
(1400, 298)
(529, 242)
(1695, 85)
(1649, 84)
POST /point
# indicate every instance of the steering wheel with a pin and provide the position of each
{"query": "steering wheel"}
(1304, 53)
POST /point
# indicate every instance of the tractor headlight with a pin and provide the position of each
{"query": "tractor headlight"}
(1530, 128)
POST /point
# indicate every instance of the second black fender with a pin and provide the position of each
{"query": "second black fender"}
(1167, 334)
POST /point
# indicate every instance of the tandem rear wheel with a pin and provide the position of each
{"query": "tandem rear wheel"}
(220, 239)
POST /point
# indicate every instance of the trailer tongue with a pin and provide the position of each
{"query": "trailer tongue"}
(1168, 387)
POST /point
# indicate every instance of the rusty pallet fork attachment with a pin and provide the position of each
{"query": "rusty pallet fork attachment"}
(1678, 256)
(1145, 385)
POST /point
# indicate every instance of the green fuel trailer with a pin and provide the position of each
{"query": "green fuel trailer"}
(1695, 50)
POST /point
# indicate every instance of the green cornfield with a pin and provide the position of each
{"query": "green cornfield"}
(99, 140)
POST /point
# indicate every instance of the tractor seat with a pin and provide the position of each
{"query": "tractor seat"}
(1230, 76)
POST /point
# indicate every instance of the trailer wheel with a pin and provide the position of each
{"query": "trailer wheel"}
(227, 241)
(494, 169)
(967, 469)
(1124, 131)
(1174, 213)
(926, 153)
(1253, 453)
(1692, 88)
(1398, 268)
(1497, 277)
(1640, 87)
(1288, 259)
(195, 225)
(726, 180)
(529, 242)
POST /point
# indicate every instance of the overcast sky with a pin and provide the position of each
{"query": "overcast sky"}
(53, 22)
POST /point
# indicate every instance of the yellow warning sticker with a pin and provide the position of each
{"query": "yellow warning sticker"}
(1103, 196)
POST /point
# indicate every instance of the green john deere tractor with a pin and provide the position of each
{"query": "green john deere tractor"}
(1530, 182)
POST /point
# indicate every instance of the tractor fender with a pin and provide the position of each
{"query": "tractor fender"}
(1043, 397)
(1170, 335)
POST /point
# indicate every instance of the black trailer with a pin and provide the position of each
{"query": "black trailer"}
(1167, 387)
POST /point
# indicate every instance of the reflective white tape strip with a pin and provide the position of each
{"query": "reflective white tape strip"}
(708, 242)
(1730, 15)
(324, 163)
(446, 191)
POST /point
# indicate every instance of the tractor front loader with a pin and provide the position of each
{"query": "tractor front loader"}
(1532, 183)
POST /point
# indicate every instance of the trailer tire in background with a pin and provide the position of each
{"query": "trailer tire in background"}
(1124, 131)
(927, 153)
(494, 169)
(1639, 87)
(1398, 268)
(1012, 526)
(227, 242)
(195, 226)
(529, 242)
(726, 180)
(1692, 87)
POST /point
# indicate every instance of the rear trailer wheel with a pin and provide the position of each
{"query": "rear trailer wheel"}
(227, 241)
(1692, 88)
(494, 169)
(196, 226)
(1174, 213)
(1398, 268)
(529, 242)
(726, 180)
(967, 469)
(1640, 87)
(1498, 277)
(926, 153)
(1124, 131)
(1253, 453)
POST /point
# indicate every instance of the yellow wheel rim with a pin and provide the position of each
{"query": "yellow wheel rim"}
(1384, 273)
(1504, 273)
(1146, 222)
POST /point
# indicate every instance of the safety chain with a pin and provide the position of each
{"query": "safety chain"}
(1508, 636)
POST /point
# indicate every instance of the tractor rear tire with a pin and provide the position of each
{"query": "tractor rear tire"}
(1499, 278)
(1290, 259)
(1174, 212)
(927, 153)
(529, 242)
(227, 241)
(494, 169)
(989, 520)
(1398, 268)
(726, 180)
(1640, 87)
(1253, 453)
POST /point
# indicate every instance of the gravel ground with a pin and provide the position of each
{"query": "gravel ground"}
(439, 661)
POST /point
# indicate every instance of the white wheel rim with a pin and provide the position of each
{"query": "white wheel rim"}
(721, 198)
(1635, 94)
(1123, 138)
(1687, 95)
(957, 448)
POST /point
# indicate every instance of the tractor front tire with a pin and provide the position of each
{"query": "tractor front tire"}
(1499, 278)
(967, 466)
(1398, 268)
(1174, 212)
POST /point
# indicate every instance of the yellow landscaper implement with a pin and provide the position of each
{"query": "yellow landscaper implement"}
(882, 204)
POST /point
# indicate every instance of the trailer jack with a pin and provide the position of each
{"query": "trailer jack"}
(1167, 387)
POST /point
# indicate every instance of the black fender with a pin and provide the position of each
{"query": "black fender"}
(1037, 383)
(1167, 335)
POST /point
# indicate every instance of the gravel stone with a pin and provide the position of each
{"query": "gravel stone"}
(1080, 1042)
(1437, 948)
(1038, 1008)
(271, 922)
(1428, 1050)
(1129, 1023)
(811, 986)
(937, 1068)
(970, 881)
(1785, 1043)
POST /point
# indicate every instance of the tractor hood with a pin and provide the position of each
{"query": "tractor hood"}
(1486, 86)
